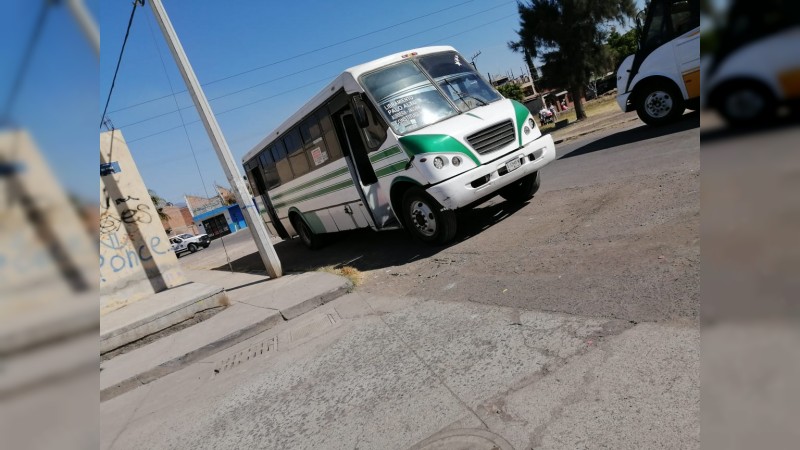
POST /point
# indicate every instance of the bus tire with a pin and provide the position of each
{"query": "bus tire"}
(659, 102)
(310, 239)
(522, 190)
(426, 219)
(192, 248)
(744, 103)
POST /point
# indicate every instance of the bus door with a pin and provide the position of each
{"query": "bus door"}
(354, 214)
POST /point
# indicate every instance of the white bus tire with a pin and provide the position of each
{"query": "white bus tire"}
(744, 102)
(426, 219)
(522, 190)
(307, 236)
(658, 101)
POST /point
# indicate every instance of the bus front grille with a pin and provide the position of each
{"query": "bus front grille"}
(493, 138)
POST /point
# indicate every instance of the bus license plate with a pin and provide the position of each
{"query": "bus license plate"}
(513, 165)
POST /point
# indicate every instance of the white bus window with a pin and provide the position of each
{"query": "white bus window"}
(406, 97)
(281, 162)
(297, 157)
(458, 79)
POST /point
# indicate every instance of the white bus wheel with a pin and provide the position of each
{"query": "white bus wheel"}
(659, 102)
(426, 219)
(310, 239)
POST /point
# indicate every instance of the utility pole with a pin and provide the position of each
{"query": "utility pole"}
(472, 60)
(254, 221)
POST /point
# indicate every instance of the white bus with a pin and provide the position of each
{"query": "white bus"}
(662, 78)
(756, 68)
(400, 142)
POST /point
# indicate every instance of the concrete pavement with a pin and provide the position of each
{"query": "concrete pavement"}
(256, 304)
(366, 371)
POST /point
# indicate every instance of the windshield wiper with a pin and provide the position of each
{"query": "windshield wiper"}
(462, 97)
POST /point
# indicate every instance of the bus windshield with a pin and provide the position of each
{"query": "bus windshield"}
(408, 99)
(458, 80)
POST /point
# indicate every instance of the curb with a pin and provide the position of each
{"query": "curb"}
(227, 341)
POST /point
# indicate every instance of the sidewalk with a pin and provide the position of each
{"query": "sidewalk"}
(592, 124)
(367, 371)
(256, 305)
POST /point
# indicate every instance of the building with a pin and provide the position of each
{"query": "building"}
(179, 220)
(213, 217)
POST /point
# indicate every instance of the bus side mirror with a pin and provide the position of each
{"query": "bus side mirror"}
(360, 112)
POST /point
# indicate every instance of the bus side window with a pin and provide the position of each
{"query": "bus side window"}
(375, 133)
(316, 150)
(684, 15)
(297, 157)
(271, 178)
(655, 30)
(334, 151)
(281, 163)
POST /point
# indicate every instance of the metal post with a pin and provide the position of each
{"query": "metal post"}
(251, 215)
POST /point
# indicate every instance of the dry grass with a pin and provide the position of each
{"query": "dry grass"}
(351, 273)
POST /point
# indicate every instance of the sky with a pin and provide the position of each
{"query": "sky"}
(57, 99)
(259, 61)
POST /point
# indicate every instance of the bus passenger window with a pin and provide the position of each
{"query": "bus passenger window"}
(316, 150)
(297, 157)
(684, 16)
(281, 163)
(270, 173)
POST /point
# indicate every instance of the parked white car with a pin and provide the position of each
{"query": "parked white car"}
(189, 243)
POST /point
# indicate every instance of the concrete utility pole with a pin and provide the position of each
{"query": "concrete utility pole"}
(254, 221)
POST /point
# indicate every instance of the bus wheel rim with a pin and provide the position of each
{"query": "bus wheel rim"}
(423, 218)
(745, 104)
(658, 104)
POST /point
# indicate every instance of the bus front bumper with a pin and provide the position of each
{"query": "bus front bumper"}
(469, 187)
(622, 101)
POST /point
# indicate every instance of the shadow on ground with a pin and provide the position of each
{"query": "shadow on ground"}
(728, 132)
(368, 250)
(641, 133)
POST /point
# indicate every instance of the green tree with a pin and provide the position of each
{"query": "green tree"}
(512, 91)
(569, 36)
(619, 46)
(159, 203)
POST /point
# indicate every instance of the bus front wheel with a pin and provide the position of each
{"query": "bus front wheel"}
(659, 103)
(523, 190)
(426, 219)
(310, 239)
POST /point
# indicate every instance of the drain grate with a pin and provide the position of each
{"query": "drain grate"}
(258, 349)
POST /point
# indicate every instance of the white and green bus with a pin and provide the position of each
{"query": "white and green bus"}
(400, 142)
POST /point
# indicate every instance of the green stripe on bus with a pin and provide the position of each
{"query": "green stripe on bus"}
(332, 188)
(315, 181)
(522, 114)
(391, 168)
(435, 143)
(389, 152)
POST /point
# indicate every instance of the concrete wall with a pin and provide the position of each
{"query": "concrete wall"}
(179, 221)
(135, 256)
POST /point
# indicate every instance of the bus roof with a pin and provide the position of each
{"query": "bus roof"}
(346, 80)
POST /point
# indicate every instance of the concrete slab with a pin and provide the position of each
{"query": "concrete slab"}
(155, 313)
(166, 355)
(256, 306)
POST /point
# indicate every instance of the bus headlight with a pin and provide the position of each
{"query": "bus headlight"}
(527, 130)
(456, 161)
(438, 162)
(531, 123)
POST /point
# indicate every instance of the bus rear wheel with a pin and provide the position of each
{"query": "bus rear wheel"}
(659, 103)
(426, 219)
(310, 239)
(523, 190)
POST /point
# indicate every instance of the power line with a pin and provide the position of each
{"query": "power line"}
(311, 83)
(26, 59)
(382, 29)
(183, 123)
(119, 59)
(318, 65)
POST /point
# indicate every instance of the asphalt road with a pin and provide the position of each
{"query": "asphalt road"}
(613, 233)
